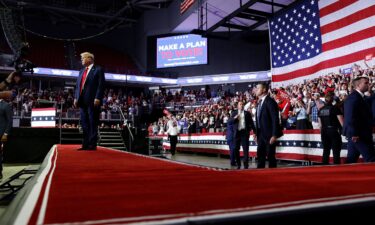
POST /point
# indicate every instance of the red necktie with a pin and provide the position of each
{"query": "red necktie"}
(83, 79)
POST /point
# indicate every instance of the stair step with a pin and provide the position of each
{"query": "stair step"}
(109, 132)
(111, 139)
(75, 132)
(112, 144)
(71, 139)
(110, 135)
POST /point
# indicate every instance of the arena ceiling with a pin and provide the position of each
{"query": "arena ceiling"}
(233, 15)
(209, 15)
(86, 13)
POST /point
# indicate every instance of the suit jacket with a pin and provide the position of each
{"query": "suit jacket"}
(93, 87)
(230, 130)
(357, 117)
(371, 101)
(249, 124)
(5, 117)
(269, 121)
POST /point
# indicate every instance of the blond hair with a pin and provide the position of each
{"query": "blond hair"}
(88, 55)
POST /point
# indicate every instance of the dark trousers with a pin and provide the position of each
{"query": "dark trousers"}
(355, 149)
(90, 122)
(173, 142)
(331, 139)
(242, 139)
(266, 151)
(232, 145)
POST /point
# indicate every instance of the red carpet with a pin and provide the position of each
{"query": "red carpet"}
(107, 186)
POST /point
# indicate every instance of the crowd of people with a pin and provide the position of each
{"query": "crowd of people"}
(320, 103)
(201, 111)
(299, 104)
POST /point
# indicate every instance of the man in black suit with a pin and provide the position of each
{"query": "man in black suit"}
(231, 142)
(358, 123)
(88, 96)
(268, 127)
(5, 125)
(242, 125)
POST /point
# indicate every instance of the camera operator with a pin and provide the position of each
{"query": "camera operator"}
(13, 78)
(6, 84)
(5, 126)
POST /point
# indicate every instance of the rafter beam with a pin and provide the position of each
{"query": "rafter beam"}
(249, 17)
(257, 24)
(151, 1)
(118, 14)
(230, 16)
(257, 12)
(234, 26)
(272, 3)
(254, 26)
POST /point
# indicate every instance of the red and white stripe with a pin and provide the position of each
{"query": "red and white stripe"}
(348, 36)
(43, 112)
(185, 5)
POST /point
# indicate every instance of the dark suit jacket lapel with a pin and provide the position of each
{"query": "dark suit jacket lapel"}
(89, 76)
(262, 107)
(80, 77)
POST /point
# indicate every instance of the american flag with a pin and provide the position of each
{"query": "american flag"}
(43, 117)
(185, 5)
(316, 38)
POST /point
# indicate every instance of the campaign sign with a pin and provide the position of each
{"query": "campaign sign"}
(182, 50)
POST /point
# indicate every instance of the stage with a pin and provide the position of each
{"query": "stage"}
(113, 187)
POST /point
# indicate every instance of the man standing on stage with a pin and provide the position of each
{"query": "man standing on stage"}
(88, 97)
(358, 123)
(5, 125)
(268, 127)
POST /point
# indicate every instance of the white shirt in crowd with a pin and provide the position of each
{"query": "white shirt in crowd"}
(241, 120)
(173, 130)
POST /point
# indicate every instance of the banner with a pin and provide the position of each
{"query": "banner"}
(181, 50)
(43, 117)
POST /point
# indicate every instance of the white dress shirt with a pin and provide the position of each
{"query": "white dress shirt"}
(241, 120)
(172, 130)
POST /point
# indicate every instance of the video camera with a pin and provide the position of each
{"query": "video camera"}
(21, 64)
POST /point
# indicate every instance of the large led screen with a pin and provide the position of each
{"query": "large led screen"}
(182, 50)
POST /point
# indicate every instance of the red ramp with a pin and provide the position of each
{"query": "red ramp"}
(108, 186)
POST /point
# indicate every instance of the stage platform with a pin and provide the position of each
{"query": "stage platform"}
(113, 187)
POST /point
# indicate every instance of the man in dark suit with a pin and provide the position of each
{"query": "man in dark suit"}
(88, 96)
(231, 142)
(242, 125)
(5, 125)
(268, 127)
(358, 123)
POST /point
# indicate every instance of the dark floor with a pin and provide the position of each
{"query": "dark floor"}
(218, 161)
